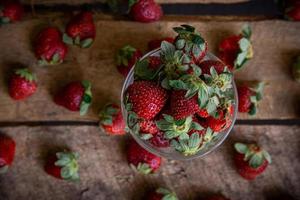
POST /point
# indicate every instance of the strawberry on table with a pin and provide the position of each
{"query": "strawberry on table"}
(126, 57)
(111, 120)
(142, 160)
(155, 44)
(7, 152)
(81, 30)
(63, 165)
(236, 50)
(22, 84)
(49, 47)
(147, 98)
(145, 11)
(161, 194)
(75, 96)
(292, 11)
(249, 96)
(10, 11)
(250, 160)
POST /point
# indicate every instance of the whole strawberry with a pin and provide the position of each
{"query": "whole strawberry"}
(139, 158)
(217, 197)
(292, 12)
(75, 96)
(162, 194)
(7, 152)
(49, 48)
(145, 10)
(10, 11)
(111, 120)
(81, 30)
(296, 70)
(147, 98)
(236, 50)
(22, 84)
(155, 44)
(250, 160)
(63, 165)
(249, 97)
(126, 57)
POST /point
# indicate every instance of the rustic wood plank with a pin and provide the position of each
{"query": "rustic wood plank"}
(275, 44)
(106, 175)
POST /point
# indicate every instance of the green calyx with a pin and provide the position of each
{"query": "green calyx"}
(189, 40)
(177, 128)
(4, 20)
(69, 166)
(143, 71)
(246, 31)
(85, 43)
(245, 53)
(189, 145)
(175, 61)
(142, 168)
(54, 61)
(296, 70)
(26, 74)
(253, 154)
(87, 97)
(107, 113)
(258, 95)
(167, 194)
(209, 136)
(124, 54)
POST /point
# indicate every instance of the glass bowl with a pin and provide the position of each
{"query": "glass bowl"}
(170, 152)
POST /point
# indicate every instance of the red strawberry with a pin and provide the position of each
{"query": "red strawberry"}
(49, 48)
(147, 98)
(236, 50)
(81, 30)
(249, 97)
(222, 121)
(7, 152)
(182, 107)
(145, 11)
(292, 12)
(148, 126)
(126, 58)
(217, 197)
(10, 11)
(208, 64)
(162, 194)
(76, 96)
(144, 161)
(22, 84)
(111, 120)
(155, 44)
(250, 160)
(159, 140)
(63, 165)
(190, 42)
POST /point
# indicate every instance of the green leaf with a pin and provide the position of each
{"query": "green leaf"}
(183, 136)
(168, 118)
(144, 168)
(84, 108)
(240, 60)
(55, 58)
(145, 136)
(196, 51)
(180, 44)
(86, 42)
(165, 84)
(252, 110)
(196, 126)
(267, 156)
(77, 40)
(241, 148)
(202, 97)
(177, 84)
(246, 31)
(213, 72)
(196, 70)
(67, 39)
(244, 44)
(4, 20)
(256, 160)
(167, 48)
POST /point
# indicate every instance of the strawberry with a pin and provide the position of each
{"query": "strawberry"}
(148, 126)
(10, 11)
(217, 197)
(7, 152)
(126, 57)
(236, 50)
(147, 98)
(250, 160)
(292, 12)
(148, 68)
(296, 70)
(162, 194)
(155, 44)
(208, 64)
(75, 96)
(203, 113)
(63, 165)
(81, 30)
(142, 160)
(49, 48)
(159, 140)
(22, 84)
(191, 42)
(111, 120)
(249, 97)
(222, 121)
(145, 10)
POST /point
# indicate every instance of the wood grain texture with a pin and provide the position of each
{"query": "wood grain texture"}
(275, 45)
(105, 173)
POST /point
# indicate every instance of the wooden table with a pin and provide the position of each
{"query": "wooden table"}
(39, 126)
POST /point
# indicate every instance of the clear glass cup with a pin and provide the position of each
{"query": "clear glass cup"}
(170, 152)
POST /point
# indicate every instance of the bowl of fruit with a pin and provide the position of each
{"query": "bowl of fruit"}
(180, 101)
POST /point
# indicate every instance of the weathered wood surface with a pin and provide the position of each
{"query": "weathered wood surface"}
(275, 44)
(78, 2)
(105, 174)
